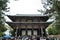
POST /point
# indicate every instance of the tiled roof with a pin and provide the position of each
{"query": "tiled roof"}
(28, 15)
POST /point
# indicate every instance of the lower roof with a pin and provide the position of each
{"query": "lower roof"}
(14, 24)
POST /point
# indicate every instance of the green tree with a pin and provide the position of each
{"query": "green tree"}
(12, 32)
(2, 30)
(3, 9)
(52, 7)
(51, 29)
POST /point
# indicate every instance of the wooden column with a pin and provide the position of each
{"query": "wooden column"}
(26, 29)
(42, 31)
(14, 32)
(19, 32)
(32, 29)
(39, 30)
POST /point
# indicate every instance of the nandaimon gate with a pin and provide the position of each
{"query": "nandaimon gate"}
(29, 25)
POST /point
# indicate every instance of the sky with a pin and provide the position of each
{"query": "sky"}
(25, 7)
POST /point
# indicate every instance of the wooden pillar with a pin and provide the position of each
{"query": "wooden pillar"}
(26, 29)
(42, 31)
(32, 29)
(40, 34)
(39, 30)
(14, 32)
(19, 32)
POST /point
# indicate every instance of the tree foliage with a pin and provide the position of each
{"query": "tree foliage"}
(12, 32)
(2, 30)
(3, 9)
(51, 30)
(53, 7)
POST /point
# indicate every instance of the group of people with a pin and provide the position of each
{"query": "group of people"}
(25, 38)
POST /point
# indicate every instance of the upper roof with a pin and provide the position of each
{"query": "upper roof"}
(14, 17)
(32, 15)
